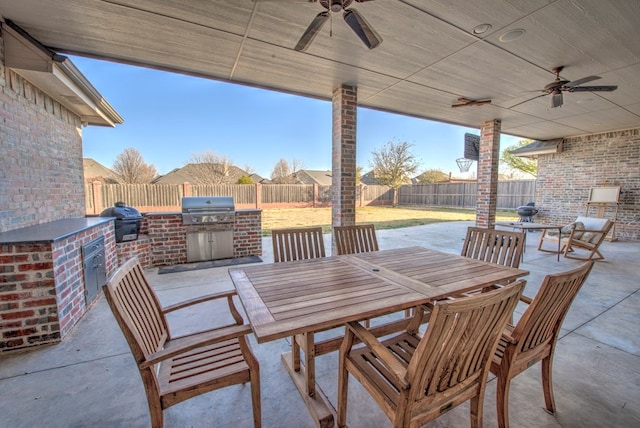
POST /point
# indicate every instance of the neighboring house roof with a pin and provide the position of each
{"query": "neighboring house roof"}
(187, 174)
(309, 176)
(369, 179)
(258, 179)
(95, 171)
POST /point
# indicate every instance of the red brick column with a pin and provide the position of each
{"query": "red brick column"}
(343, 192)
(488, 173)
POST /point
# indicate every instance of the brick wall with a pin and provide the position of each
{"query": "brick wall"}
(606, 159)
(42, 287)
(41, 161)
(247, 236)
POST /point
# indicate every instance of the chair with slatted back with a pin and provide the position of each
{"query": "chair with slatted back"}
(535, 335)
(416, 379)
(494, 246)
(355, 239)
(297, 244)
(174, 369)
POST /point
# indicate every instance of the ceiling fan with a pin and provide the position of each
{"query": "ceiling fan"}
(558, 86)
(354, 20)
(468, 102)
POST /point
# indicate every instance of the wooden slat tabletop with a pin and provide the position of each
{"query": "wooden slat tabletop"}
(283, 299)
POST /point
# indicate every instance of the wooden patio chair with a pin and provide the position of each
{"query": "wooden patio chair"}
(495, 246)
(417, 379)
(585, 234)
(174, 369)
(355, 239)
(297, 244)
(535, 335)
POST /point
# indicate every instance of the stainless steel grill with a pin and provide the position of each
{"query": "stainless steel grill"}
(208, 210)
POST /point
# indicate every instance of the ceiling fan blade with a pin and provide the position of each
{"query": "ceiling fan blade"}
(312, 31)
(581, 81)
(530, 99)
(362, 28)
(605, 88)
(556, 99)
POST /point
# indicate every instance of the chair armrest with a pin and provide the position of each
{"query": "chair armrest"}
(506, 335)
(198, 300)
(189, 342)
(526, 299)
(397, 370)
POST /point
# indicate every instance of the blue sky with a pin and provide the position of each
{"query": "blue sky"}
(169, 117)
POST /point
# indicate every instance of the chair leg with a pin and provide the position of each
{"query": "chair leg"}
(547, 384)
(157, 417)
(475, 408)
(502, 400)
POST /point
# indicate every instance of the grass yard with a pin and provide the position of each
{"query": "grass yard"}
(384, 217)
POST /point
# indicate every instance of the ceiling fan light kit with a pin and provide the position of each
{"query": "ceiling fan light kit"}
(352, 17)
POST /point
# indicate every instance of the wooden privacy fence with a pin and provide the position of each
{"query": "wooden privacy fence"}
(511, 194)
(167, 197)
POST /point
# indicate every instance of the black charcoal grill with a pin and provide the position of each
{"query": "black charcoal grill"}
(526, 212)
(127, 221)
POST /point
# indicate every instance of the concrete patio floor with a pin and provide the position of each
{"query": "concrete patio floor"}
(90, 379)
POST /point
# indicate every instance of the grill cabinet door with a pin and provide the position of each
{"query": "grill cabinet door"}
(204, 245)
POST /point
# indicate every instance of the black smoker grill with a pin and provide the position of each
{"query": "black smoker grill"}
(127, 223)
(526, 212)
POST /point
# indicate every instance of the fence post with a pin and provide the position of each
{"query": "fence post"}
(315, 195)
(98, 203)
(258, 187)
(362, 186)
(186, 189)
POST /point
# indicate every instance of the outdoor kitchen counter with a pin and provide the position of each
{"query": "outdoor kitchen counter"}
(52, 231)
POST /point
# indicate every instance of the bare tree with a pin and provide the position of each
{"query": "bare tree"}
(210, 168)
(394, 164)
(284, 172)
(132, 169)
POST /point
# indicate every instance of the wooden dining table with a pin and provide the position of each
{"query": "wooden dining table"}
(303, 297)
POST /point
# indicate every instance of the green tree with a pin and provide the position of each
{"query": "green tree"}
(394, 164)
(526, 165)
(432, 176)
(245, 179)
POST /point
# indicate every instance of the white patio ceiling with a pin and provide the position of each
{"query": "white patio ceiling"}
(428, 59)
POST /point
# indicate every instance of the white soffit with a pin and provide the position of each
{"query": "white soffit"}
(56, 76)
(537, 148)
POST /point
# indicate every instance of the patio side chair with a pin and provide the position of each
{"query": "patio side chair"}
(355, 239)
(174, 369)
(417, 379)
(494, 246)
(301, 243)
(535, 335)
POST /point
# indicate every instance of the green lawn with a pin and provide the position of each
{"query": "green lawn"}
(383, 217)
